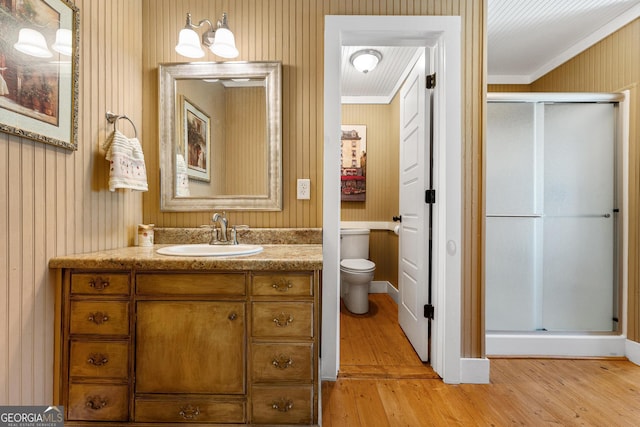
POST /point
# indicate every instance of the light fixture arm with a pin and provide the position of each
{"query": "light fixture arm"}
(218, 38)
(209, 35)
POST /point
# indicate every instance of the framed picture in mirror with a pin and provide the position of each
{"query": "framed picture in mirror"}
(196, 126)
(39, 70)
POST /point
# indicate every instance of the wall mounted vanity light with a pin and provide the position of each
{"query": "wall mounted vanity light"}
(218, 39)
(365, 60)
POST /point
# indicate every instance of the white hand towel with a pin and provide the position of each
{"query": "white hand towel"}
(126, 162)
(182, 178)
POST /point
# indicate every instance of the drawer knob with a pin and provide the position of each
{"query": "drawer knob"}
(282, 320)
(233, 316)
(282, 285)
(189, 412)
(96, 402)
(99, 284)
(97, 359)
(282, 361)
(98, 317)
(282, 405)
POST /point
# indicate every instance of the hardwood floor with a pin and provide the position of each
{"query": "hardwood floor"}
(372, 345)
(373, 389)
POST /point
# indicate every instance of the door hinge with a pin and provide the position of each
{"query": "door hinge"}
(431, 81)
(428, 311)
(430, 196)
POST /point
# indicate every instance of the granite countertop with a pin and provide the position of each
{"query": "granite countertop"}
(273, 257)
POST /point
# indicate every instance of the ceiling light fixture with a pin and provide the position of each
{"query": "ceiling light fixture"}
(365, 60)
(218, 39)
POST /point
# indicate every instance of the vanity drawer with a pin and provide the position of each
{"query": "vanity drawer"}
(100, 317)
(197, 409)
(98, 402)
(282, 405)
(99, 359)
(100, 284)
(283, 285)
(191, 284)
(282, 362)
(282, 319)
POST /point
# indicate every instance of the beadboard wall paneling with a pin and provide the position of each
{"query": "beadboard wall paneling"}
(246, 153)
(613, 65)
(291, 31)
(383, 163)
(383, 251)
(508, 88)
(57, 202)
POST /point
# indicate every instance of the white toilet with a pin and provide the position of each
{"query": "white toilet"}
(356, 271)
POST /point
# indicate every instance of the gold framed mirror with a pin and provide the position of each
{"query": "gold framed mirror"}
(220, 136)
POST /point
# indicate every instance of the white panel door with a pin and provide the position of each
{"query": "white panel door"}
(414, 234)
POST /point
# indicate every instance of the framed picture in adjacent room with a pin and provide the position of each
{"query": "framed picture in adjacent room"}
(353, 163)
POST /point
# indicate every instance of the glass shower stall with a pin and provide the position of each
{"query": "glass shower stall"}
(553, 222)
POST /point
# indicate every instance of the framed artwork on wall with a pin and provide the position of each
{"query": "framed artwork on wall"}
(196, 128)
(39, 70)
(353, 163)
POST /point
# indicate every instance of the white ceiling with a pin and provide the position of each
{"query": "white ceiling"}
(526, 39)
(380, 84)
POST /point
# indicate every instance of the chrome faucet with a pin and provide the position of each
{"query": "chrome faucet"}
(222, 238)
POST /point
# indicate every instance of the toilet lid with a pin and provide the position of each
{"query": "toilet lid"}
(363, 265)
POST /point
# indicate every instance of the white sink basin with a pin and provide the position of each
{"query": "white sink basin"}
(205, 249)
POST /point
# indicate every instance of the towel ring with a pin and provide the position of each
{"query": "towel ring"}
(113, 118)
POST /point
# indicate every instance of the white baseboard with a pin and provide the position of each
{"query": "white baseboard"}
(554, 345)
(393, 292)
(474, 371)
(378, 287)
(384, 287)
(632, 351)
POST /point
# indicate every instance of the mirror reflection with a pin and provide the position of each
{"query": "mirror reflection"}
(220, 136)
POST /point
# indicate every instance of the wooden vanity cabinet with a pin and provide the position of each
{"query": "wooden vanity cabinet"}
(190, 347)
(203, 347)
(97, 333)
(284, 331)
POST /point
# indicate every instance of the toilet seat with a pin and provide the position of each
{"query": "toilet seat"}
(357, 265)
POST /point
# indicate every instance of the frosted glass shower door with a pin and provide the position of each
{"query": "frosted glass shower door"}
(578, 251)
(513, 245)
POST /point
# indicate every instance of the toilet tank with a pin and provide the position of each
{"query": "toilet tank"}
(354, 243)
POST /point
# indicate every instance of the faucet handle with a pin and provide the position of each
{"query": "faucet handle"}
(234, 233)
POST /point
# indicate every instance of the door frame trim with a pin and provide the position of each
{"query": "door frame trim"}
(445, 33)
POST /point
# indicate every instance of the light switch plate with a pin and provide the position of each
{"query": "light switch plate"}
(304, 189)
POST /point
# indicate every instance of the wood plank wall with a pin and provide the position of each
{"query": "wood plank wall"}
(612, 65)
(292, 31)
(57, 202)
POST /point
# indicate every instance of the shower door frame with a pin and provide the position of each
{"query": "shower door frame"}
(581, 344)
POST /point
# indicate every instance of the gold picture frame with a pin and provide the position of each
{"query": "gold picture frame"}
(39, 63)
